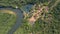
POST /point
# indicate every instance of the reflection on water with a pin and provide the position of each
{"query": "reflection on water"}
(27, 8)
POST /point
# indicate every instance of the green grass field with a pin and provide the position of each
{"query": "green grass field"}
(6, 22)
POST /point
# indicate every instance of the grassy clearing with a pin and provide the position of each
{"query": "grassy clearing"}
(7, 20)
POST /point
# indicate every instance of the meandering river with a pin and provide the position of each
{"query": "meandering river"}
(19, 14)
(18, 21)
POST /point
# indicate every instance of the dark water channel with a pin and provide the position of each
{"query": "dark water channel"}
(19, 13)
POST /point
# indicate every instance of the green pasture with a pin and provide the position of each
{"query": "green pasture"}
(6, 22)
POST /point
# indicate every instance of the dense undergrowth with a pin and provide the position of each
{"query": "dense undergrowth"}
(44, 26)
(41, 26)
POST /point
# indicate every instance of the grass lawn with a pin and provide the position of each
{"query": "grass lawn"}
(7, 20)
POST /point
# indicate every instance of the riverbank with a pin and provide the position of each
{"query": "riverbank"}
(7, 20)
(18, 20)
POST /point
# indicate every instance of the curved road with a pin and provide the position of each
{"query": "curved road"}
(18, 21)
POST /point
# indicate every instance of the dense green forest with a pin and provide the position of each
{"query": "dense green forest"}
(20, 3)
(49, 24)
